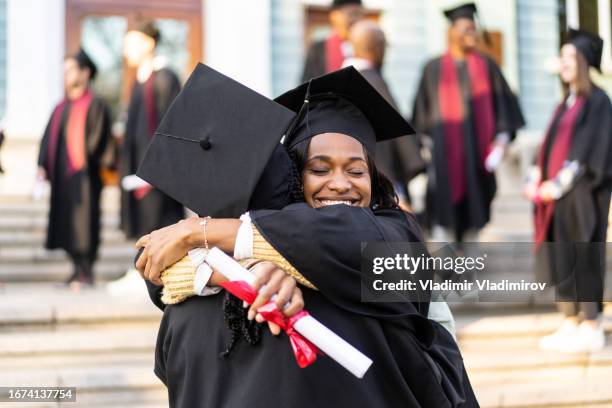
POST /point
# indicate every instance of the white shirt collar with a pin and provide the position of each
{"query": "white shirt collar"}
(147, 68)
(360, 64)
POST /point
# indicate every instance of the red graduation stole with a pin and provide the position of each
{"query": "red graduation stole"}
(558, 154)
(75, 133)
(334, 57)
(453, 114)
(151, 114)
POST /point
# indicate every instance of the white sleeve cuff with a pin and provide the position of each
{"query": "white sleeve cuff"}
(200, 281)
(243, 248)
(203, 273)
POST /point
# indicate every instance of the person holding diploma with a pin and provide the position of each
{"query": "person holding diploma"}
(468, 112)
(570, 188)
(331, 138)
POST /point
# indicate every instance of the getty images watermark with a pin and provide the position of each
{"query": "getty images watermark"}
(479, 272)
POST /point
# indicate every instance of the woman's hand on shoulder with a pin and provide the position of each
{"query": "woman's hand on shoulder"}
(272, 280)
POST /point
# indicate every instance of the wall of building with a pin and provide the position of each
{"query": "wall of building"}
(538, 45)
(3, 32)
(238, 40)
(35, 51)
(287, 37)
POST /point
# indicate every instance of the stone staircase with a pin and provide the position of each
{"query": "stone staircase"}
(104, 344)
(508, 370)
(22, 233)
(101, 344)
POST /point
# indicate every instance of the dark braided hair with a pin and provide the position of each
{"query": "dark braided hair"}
(235, 317)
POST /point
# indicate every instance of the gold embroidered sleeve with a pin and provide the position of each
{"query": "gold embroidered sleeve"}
(262, 250)
(178, 281)
(179, 278)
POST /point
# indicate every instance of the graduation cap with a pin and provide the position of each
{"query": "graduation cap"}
(213, 145)
(339, 3)
(469, 11)
(589, 44)
(342, 102)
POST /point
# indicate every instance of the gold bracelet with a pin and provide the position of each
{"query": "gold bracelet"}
(203, 224)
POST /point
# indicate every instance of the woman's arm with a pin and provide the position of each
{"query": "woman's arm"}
(164, 247)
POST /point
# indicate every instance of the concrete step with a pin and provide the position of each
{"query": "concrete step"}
(25, 222)
(485, 323)
(87, 340)
(58, 271)
(507, 369)
(36, 238)
(45, 304)
(588, 390)
(15, 204)
(114, 381)
(30, 254)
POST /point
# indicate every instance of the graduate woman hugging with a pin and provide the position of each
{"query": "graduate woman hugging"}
(211, 351)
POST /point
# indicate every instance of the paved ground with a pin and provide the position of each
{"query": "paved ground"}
(104, 346)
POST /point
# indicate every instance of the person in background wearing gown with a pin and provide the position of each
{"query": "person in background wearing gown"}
(570, 187)
(145, 208)
(400, 158)
(327, 55)
(465, 107)
(76, 145)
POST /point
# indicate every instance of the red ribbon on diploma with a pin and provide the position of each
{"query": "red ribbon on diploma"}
(305, 352)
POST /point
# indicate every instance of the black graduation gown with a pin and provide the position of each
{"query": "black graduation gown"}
(416, 361)
(400, 158)
(575, 263)
(155, 210)
(74, 211)
(315, 64)
(474, 211)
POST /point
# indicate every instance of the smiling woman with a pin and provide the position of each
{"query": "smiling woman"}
(316, 246)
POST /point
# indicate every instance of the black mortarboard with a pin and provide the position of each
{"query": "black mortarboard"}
(149, 28)
(213, 144)
(470, 11)
(85, 61)
(340, 3)
(463, 11)
(342, 102)
(589, 44)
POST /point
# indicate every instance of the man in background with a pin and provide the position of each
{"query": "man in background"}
(327, 55)
(399, 159)
(145, 208)
(76, 145)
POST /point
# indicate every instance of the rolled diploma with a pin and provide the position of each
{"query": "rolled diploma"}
(309, 327)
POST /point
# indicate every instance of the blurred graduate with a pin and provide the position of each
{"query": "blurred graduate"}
(145, 208)
(464, 105)
(328, 54)
(76, 146)
(570, 187)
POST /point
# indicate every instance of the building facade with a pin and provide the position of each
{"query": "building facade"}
(262, 44)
